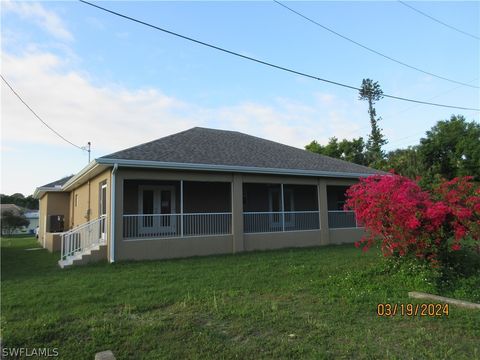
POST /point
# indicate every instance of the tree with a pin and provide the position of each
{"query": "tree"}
(452, 148)
(331, 149)
(405, 162)
(18, 199)
(353, 151)
(12, 221)
(372, 92)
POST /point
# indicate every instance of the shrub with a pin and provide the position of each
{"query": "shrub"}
(412, 222)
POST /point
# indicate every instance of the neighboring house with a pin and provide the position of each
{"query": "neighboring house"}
(31, 215)
(198, 192)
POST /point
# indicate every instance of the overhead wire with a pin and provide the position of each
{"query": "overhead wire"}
(439, 21)
(372, 50)
(38, 117)
(283, 68)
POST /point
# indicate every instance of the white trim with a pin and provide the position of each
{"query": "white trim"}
(112, 213)
(81, 173)
(186, 214)
(157, 206)
(176, 237)
(280, 232)
(40, 191)
(228, 168)
(181, 208)
(44, 231)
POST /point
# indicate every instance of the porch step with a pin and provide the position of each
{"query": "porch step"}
(94, 254)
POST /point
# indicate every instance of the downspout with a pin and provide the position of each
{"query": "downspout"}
(112, 214)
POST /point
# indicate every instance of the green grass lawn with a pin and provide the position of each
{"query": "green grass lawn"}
(304, 303)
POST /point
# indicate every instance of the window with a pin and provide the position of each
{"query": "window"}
(76, 200)
(102, 198)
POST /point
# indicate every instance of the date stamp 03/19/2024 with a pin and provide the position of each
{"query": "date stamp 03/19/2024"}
(422, 310)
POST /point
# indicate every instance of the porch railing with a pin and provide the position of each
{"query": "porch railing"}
(176, 225)
(338, 219)
(275, 221)
(83, 238)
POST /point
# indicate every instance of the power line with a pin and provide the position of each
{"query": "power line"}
(39, 118)
(265, 62)
(372, 50)
(439, 21)
(389, 116)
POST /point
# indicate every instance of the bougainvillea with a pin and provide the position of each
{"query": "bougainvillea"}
(410, 221)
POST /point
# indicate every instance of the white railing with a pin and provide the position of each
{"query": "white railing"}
(83, 238)
(139, 226)
(338, 219)
(275, 221)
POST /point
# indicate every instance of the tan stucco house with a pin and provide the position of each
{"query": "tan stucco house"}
(198, 192)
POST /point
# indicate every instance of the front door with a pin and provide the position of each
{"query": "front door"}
(103, 209)
(157, 205)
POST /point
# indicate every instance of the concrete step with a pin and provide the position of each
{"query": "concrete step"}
(93, 254)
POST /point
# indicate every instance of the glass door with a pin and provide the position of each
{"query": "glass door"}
(103, 209)
(157, 205)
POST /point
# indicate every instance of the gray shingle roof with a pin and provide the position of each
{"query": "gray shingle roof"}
(232, 148)
(59, 182)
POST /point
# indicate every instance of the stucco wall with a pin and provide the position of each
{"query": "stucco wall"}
(88, 205)
(53, 242)
(52, 203)
(280, 240)
(343, 236)
(63, 203)
(174, 248)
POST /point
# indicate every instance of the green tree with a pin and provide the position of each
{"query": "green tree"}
(372, 92)
(452, 148)
(12, 221)
(349, 150)
(405, 162)
(354, 151)
(18, 199)
(331, 149)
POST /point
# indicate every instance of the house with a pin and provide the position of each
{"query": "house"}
(31, 215)
(198, 192)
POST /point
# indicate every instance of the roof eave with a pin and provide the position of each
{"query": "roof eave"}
(227, 168)
(83, 175)
(40, 191)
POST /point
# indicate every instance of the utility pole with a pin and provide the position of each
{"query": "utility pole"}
(88, 149)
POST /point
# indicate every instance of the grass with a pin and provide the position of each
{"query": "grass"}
(304, 303)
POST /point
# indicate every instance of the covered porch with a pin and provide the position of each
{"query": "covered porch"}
(165, 209)
(171, 214)
(181, 208)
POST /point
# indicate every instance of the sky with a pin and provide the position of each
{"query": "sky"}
(96, 77)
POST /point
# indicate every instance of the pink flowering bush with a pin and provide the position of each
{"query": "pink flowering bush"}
(410, 221)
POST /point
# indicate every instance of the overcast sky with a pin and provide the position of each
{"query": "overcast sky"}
(96, 77)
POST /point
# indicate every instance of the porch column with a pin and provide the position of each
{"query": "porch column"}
(237, 213)
(283, 207)
(323, 208)
(118, 214)
(181, 208)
